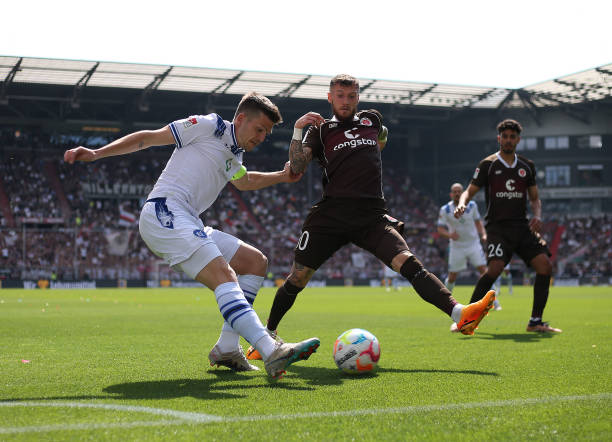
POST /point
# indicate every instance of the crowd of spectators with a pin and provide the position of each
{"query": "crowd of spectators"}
(96, 242)
(30, 193)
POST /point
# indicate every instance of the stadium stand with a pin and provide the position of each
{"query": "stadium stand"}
(78, 222)
(94, 242)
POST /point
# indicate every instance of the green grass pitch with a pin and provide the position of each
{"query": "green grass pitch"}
(131, 364)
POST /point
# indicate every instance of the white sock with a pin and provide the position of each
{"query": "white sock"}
(497, 285)
(250, 285)
(229, 339)
(456, 313)
(265, 346)
(449, 285)
(238, 313)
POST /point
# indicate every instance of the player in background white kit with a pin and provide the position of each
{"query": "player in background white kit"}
(507, 275)
(464, 238)
(207, 156)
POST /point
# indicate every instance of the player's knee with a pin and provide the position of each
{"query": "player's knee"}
(545, 268)
(300, 275)
(255, 263)
(298, 279)
(495, 268)
(261, 264)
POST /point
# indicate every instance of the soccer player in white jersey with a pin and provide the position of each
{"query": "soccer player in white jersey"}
(207, 156)
(464, 236)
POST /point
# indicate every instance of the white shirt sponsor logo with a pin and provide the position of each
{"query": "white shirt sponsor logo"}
(349, 135)
(511, 194)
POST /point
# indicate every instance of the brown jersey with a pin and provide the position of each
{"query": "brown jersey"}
(349, 156)
(505, 187)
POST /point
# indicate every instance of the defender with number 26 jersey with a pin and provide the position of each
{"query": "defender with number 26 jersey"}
(505, 187)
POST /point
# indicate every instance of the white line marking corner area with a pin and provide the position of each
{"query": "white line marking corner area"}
(185, 417)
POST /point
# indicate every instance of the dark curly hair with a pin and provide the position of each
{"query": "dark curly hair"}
(509, 124)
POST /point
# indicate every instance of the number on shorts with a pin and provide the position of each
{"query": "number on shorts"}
(495, 251)
(303, 242)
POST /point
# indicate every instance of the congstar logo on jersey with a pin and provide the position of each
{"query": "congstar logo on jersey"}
(354, 140)
(510, 194)
(354, 143)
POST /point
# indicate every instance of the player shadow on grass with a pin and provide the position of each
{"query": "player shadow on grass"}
(205, 389)
(323, 376)
(516, 337)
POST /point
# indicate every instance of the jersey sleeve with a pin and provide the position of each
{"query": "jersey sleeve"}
(476, 214)
(481, 174)
(189, 129)
(312, 139)
(442, 217)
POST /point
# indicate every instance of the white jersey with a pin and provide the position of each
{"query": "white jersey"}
(206, 157)
(464, 226)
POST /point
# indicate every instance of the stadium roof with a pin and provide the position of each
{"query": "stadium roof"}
(587, 86)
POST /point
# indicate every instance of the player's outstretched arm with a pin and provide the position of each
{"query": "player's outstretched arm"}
(300, 156)
(124, 145)
(447, 233)
(259, 180)
(464, 199)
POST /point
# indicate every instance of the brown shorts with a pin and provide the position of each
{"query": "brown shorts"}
(335, 222)
(504, 240)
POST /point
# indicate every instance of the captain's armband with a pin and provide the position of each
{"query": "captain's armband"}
(242, 172)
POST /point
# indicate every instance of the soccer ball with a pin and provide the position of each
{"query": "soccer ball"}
(356, 351)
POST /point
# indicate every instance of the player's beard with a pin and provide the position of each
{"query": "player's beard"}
(339, 118)
(508, 149)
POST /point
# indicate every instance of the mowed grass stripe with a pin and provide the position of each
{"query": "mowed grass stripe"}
(198, 418)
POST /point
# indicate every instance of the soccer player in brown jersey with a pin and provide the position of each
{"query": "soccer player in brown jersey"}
(353, 208)
(509, 181)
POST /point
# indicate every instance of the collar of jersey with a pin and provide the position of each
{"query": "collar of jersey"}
(233, 131)
(506, 164)
(355, 118)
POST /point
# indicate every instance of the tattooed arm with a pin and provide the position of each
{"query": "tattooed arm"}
(300, 155)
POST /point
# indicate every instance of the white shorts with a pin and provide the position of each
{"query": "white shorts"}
(175, 234)
(458, 257)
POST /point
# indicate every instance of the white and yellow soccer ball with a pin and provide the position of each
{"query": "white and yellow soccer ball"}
(356, 351)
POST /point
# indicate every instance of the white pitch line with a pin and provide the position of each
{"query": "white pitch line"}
(421, 408)
(184, 415)
(200, 418)
(104, 426)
